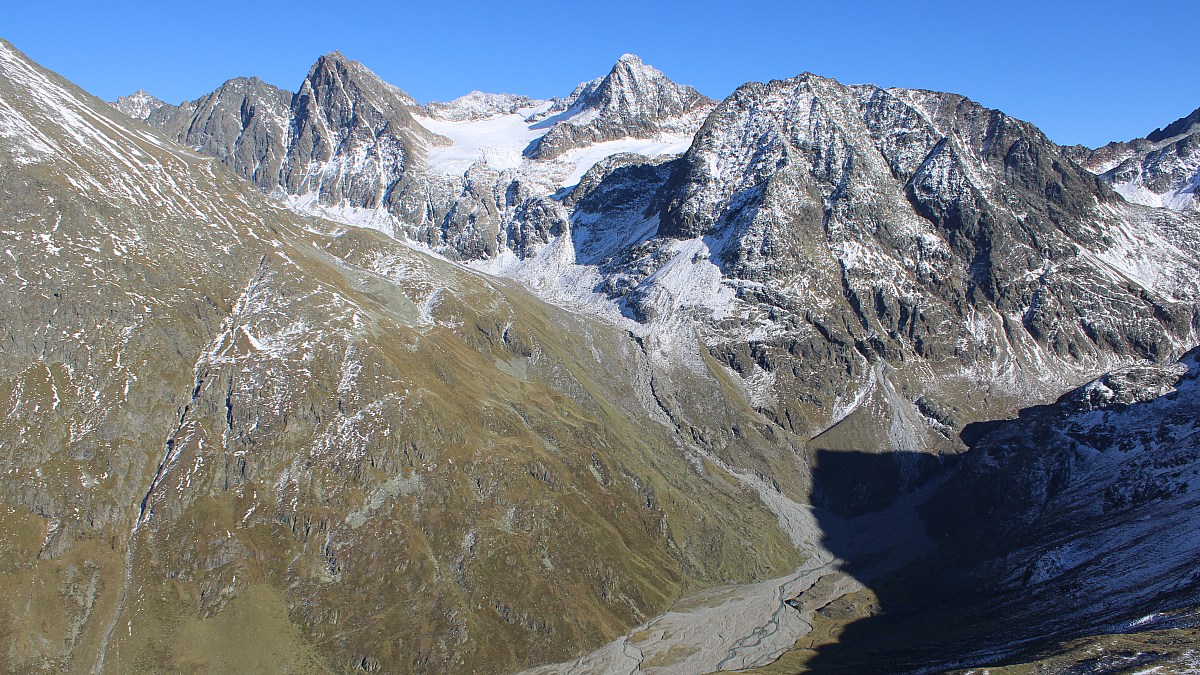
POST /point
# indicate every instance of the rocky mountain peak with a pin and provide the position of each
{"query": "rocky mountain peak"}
(810, 184)
(1179, 127)
(350, 93)
(343, 118)
(333, 74)
(634, 100)
(243, 123)
(1161, 170)
(632, 83)
(249, 85)
(344, 110)
(137, 105)
(629, 70)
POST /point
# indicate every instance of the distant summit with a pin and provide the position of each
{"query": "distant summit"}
(634, 100)
(479, 105)
(137, 105)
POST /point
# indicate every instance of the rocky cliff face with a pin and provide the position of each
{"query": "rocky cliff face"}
(244, 125)
(865, 229)
(352, 136)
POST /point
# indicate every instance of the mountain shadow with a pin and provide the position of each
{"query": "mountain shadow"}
(1074, 519)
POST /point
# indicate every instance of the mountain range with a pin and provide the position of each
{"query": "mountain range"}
(818, 377)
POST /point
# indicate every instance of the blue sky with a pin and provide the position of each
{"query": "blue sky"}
(1085, 72)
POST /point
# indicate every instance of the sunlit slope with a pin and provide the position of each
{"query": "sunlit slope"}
(234, 438)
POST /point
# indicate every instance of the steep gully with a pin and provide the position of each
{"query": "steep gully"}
(145, 511)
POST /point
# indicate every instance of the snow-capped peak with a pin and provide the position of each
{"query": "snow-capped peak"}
(634, 100)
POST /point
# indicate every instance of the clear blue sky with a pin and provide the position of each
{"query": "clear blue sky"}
(1084, 71)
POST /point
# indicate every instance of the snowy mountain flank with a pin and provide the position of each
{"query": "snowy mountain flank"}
(819, 377)
(1162, 169)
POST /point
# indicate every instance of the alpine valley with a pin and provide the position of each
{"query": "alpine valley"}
(817, 378)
